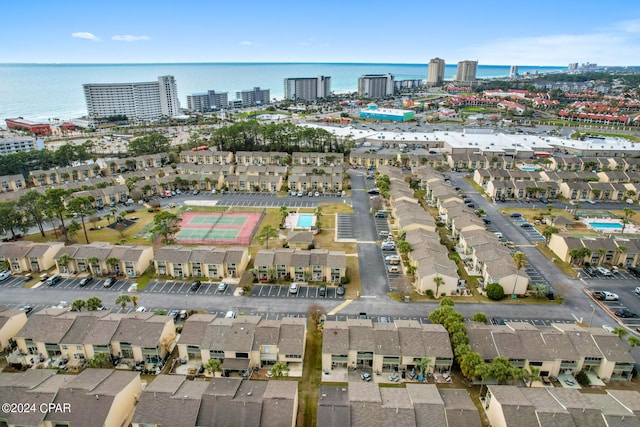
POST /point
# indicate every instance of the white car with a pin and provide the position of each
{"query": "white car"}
(637, 290)
(608, 328)
(604, 271)
(293, 288)
(141, 309)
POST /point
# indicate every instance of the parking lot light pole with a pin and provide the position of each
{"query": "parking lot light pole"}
(593, 311)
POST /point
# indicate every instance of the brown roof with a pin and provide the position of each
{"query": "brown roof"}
(83, 326)
(142, 332)
(194, 329)
(45, 328)
(333, 407)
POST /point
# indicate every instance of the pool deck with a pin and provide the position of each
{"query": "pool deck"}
(630, 228)
(292, 221)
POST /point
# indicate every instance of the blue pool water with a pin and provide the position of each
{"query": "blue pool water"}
(305, 220)
(605, 225)
(528, 168)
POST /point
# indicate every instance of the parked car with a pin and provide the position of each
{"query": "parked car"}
(374, 191)
(109, 282)
(365, 376)
(625, 313)
(222, 286)
(526, 225)
(27, 309)
(230, 315)
(340, 290)
(196, 192)
(195, 286)
(608, 328)
(393, 259)
(605, 296)
(388, 246)
(293, 288)
(52, 281)
(637, 290)
(393, 269)
(497, 320)
(322, 291)
(380, 214)
(175, 314)
(141, 309)
(86, 280)
(515, 215)
(5, 274)
(383, 233)
(590, 271)
(486, 220)
(634, 271)
(604, 271)
(316, 194)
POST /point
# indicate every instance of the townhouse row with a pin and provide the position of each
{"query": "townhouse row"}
(482, 252)
(596, 250)
(176, 261)
(114, 398)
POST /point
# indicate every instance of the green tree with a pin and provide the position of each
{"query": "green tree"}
(549, 231)
(213, 365)
(31, 203)
(64, 260)
(633, 342)
(404, 247)
(123, 300)
(151, 144)
(469, 363)
(495, 292)
(480, 317)
(620, 332)
(54, 205)
(438, 281)
(81, 206)
(502, 370)
(11, 218)
(519, 260)
(267, 232)
(93, 303)
(113, 263)
(166, 226)
(134, 301)
(279, 369)
(100, 360)
(531, 375)
(78, 305)
(423, 365)
(283, 212)
(446, 301)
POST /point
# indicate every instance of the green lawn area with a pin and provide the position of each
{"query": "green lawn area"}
(579, 134)
(309, 384)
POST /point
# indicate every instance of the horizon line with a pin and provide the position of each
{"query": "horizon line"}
(281, 62)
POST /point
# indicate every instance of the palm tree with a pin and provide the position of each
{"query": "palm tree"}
(548, 232)
(94, 265)
(284, 212)
(533, 374)
(134, 300)
(64, 261)
(279, 370)
(122, 300)
(213, 366)
(628, 212)
(93, 303)
(519, 260)
(601, 252)
(423, 365)
(77, 305)
(633, 342)
(438, 281)
(404, 247)
(113, 264)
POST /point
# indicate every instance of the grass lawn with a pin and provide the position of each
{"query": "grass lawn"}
(630, 137)
(354, 288)
(565, 267)
(309, 384)
(478, 188)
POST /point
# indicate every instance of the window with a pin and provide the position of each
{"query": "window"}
(79, 347)
(293, 356)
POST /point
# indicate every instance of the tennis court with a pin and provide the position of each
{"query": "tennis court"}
(218, 228)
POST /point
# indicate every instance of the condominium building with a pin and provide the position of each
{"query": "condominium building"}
(13, 144)
(307, 88)
(467, 71)
(255, 96)
(375, 85)
(435, 74)
(513, 71)
(209, 101)
(136, 101)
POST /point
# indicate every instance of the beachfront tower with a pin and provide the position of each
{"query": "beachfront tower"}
(467, 71)
(435, 75)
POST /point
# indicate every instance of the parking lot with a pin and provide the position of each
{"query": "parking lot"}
(620, 275)
(532, 234)
(12, 282)
(344, 227)
(253, 199)
(174, 287)
(96, 284)
(282, 291)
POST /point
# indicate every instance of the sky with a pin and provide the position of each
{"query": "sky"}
(542, 32)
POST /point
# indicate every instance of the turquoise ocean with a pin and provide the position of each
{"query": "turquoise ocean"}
(54, 91)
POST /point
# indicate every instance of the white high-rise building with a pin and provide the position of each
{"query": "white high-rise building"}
(467, 71)
(136, 101)
(513, 71)
(435, 73)
(210, 101)
(307, 88)
(375, 85)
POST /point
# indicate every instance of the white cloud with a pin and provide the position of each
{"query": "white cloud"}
(86, 36)
(130, 38)
(246, 43)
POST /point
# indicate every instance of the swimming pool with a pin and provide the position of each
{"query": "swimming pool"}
(305, 220)
(608, 225)
(529, 168)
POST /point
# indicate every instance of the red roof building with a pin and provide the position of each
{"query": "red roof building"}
(36, 128)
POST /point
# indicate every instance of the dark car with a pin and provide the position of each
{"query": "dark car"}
(590, 271)
(515, 215)
(526, 225)
(195, 286)
(322, 291)
(109, 282)
(27, 309)
(625, 313)
(486, 221)
(497, 320)
(634, 271)
(544, 200)
(374, 191)
(380, 215)
(86, 280)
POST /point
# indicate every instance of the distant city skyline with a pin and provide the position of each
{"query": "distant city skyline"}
(544, 33)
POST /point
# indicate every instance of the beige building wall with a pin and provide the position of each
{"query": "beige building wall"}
(449, 286)
(123, 405)
(495, 414)
(11, 327)
(558, 246)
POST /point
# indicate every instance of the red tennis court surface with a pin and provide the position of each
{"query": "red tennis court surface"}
(218, 228)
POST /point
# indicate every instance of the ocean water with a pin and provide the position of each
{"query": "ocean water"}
(54, 91)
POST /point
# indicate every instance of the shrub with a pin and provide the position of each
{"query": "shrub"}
(344, 280)
(495, 291)
(311, 246)
(429, 293)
